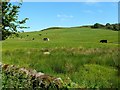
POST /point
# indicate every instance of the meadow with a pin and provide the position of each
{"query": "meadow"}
(75, 53)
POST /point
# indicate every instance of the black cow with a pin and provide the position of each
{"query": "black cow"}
(45, 39)
(33, 38)
(103, 41)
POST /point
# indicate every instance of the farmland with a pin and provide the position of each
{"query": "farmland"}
(75, 53)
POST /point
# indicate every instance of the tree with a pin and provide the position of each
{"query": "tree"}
(116, 27)
(97, 25)
(109, 26)
(10, 22)
(0, 20)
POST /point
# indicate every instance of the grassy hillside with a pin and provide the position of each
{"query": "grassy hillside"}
(70, 37)
(74, 53)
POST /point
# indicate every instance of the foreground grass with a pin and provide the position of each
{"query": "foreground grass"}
(71, 63)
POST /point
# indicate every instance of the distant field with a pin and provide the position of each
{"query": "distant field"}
(74, 52)
(73, 37)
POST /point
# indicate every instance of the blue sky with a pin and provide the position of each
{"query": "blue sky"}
(67, 14)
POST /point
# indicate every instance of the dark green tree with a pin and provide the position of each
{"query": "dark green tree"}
(97, 25)
(10, 22)
(116, 27)
(108, 26)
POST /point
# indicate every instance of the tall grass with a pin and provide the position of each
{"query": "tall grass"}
(63, 61)
(96, 76)
(71, 52)
(108, 56)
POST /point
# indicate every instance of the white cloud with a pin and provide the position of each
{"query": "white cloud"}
(90, 3)
(64, 16)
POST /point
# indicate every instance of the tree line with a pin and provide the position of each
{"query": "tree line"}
(115, 27)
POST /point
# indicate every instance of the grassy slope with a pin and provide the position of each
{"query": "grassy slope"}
(74, 37)
(72, 51)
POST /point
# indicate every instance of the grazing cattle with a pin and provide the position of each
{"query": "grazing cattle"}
(33, 38)
(103, 41)
(45, 39)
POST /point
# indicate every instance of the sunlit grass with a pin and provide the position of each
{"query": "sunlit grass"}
(71, 51)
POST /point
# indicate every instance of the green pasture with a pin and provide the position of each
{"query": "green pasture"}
(74, 52)
(69, 37)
